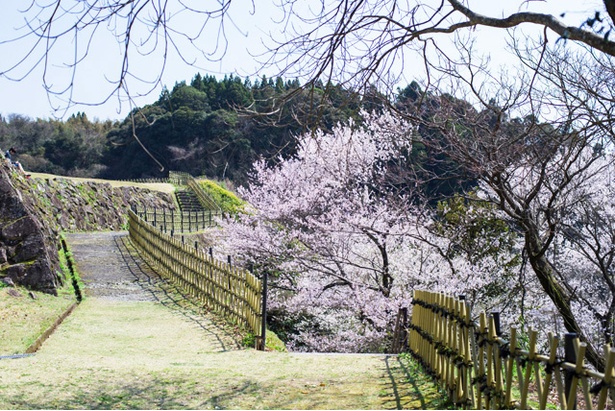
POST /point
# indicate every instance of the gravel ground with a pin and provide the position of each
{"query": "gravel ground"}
(108, 270)
(111, 270)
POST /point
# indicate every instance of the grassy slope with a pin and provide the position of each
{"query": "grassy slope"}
(162, 187)
(144, 355)
(24, 319)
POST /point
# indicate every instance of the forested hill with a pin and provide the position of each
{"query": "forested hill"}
(208, 127)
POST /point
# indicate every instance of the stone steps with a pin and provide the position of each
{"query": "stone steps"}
(188, 201)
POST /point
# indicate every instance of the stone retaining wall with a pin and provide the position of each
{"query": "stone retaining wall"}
(33, 212)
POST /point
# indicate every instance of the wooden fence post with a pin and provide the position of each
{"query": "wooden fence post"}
(496, 321)
(263, 337)
(570, 356)
(404, 333)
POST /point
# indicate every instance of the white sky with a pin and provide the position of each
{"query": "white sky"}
(28, 95)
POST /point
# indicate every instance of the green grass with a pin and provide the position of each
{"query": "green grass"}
(431, 396)
(73, 283)
(143, 355)
(224, 198)
(24, 319)
(165, 353)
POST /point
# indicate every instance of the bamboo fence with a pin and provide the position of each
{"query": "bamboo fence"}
(185, 179)
(233, 292)
(206, 201)
(481, 370)
(177, 221)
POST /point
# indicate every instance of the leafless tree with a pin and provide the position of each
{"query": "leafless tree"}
(537, 173)
(360, 42)
(64, 35)
(375, 42)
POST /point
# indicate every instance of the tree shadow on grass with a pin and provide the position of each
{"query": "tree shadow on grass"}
(145, 392)
(410, 388)
(171, 296)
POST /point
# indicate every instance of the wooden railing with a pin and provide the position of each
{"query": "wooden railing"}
(235, 293)
(185, 179)
(482, 370)
(178, 178)
(178, 221)
(149, 180)
(206, 201)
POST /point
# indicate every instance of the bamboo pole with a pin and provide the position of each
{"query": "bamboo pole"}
(572, 394)
(608, 376)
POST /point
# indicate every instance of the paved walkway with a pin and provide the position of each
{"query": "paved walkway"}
(107, 268)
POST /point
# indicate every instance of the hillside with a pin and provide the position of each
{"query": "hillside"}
(36, 210)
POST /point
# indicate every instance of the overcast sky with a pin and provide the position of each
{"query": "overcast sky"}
(27, 96)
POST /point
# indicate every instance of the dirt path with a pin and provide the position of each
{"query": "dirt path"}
(111, 271)
(136, 343)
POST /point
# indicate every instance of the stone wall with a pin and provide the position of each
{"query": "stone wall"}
(33, 212)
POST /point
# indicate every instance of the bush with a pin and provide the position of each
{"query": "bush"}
(226, 200)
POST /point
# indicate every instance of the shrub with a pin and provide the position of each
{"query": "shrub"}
(226, 200)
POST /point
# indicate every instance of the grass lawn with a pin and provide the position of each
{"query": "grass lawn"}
(143, 355)
(23, 319)
(162, 187)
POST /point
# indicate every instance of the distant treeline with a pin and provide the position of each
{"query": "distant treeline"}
(74, 147)
(209, 127)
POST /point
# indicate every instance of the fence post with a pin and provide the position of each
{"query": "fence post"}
(404, 330)
(570, 356)
(263, 337)
(496, 322)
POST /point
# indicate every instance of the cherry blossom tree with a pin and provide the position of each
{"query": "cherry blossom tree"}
(584, 251)
(344, 247)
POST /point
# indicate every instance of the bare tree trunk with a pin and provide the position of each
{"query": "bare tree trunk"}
(560, 297)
